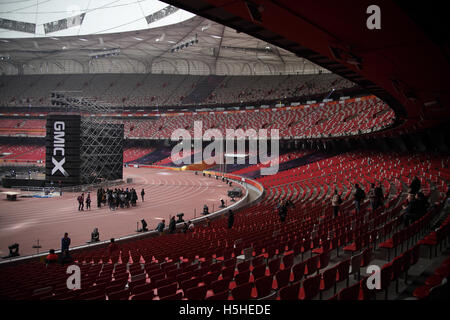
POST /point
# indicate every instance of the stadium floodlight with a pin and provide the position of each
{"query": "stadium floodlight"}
(105, 53)
(185, 44)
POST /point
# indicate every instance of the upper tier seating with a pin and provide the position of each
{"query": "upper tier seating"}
(22, 153)
(134, 153)
(34, 153)
(330, 119)
(163, 90)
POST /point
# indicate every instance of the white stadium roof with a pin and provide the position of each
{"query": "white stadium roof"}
(129, 36)
(97, 17)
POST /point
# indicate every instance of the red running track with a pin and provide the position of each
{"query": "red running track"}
(168, 192)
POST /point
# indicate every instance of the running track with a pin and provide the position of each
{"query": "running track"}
(167, 193)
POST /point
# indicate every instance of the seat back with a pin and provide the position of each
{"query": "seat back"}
(196, 293)
(343, 270)
(311, 287)
(259, 271)
(176, 296)
(242, 277)
(397, 266)
(274, 265)
(228, 272)
(243, 266)
(119, 295)
(406, 260)
(311, 265)
(257, 261)
(219, 286)
(350, 293)
(248, 253)
(368, 294)
(147, 295)
(288, 261)
(386, 275)
(290, 292)
(282, 277)
(329, 278)
(415, 254)
(242, 292)
(219, 296)
(356, 263)
(298, 270)
(366, 256)
(264, 286)
(210, 277)
(167, 290)
(324, 259)
(190, 283)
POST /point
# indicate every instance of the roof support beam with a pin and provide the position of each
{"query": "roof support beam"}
(218, 49)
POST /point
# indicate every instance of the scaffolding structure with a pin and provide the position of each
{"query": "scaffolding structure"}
(101, 138)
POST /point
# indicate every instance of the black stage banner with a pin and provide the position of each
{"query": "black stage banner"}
(62, 160)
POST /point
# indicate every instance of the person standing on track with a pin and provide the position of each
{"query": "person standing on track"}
(65, 242)
(81, 202)
(142, 195)
(88, 201)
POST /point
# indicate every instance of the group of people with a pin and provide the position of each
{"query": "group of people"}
(376, 198)
(189, 226)
(64, 257)
(114, 198)
(416, 204)
(81, 201)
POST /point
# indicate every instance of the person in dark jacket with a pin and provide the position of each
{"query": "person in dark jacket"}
(142, 195)
(185, 227)
(95, 235)
(81, 202)
(172, 225)
(113, 247)
(230, 219)
(372, 196)
(161, 226)
(205, 210)
(379, 196)
(99, 198)
(65, 257)
(414, 187)
(88, 201)
(282, 211)
(358, 196)
(336, 201)
(65, 242)
(417, 207)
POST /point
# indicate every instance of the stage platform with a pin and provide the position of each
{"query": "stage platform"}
(167, 193)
